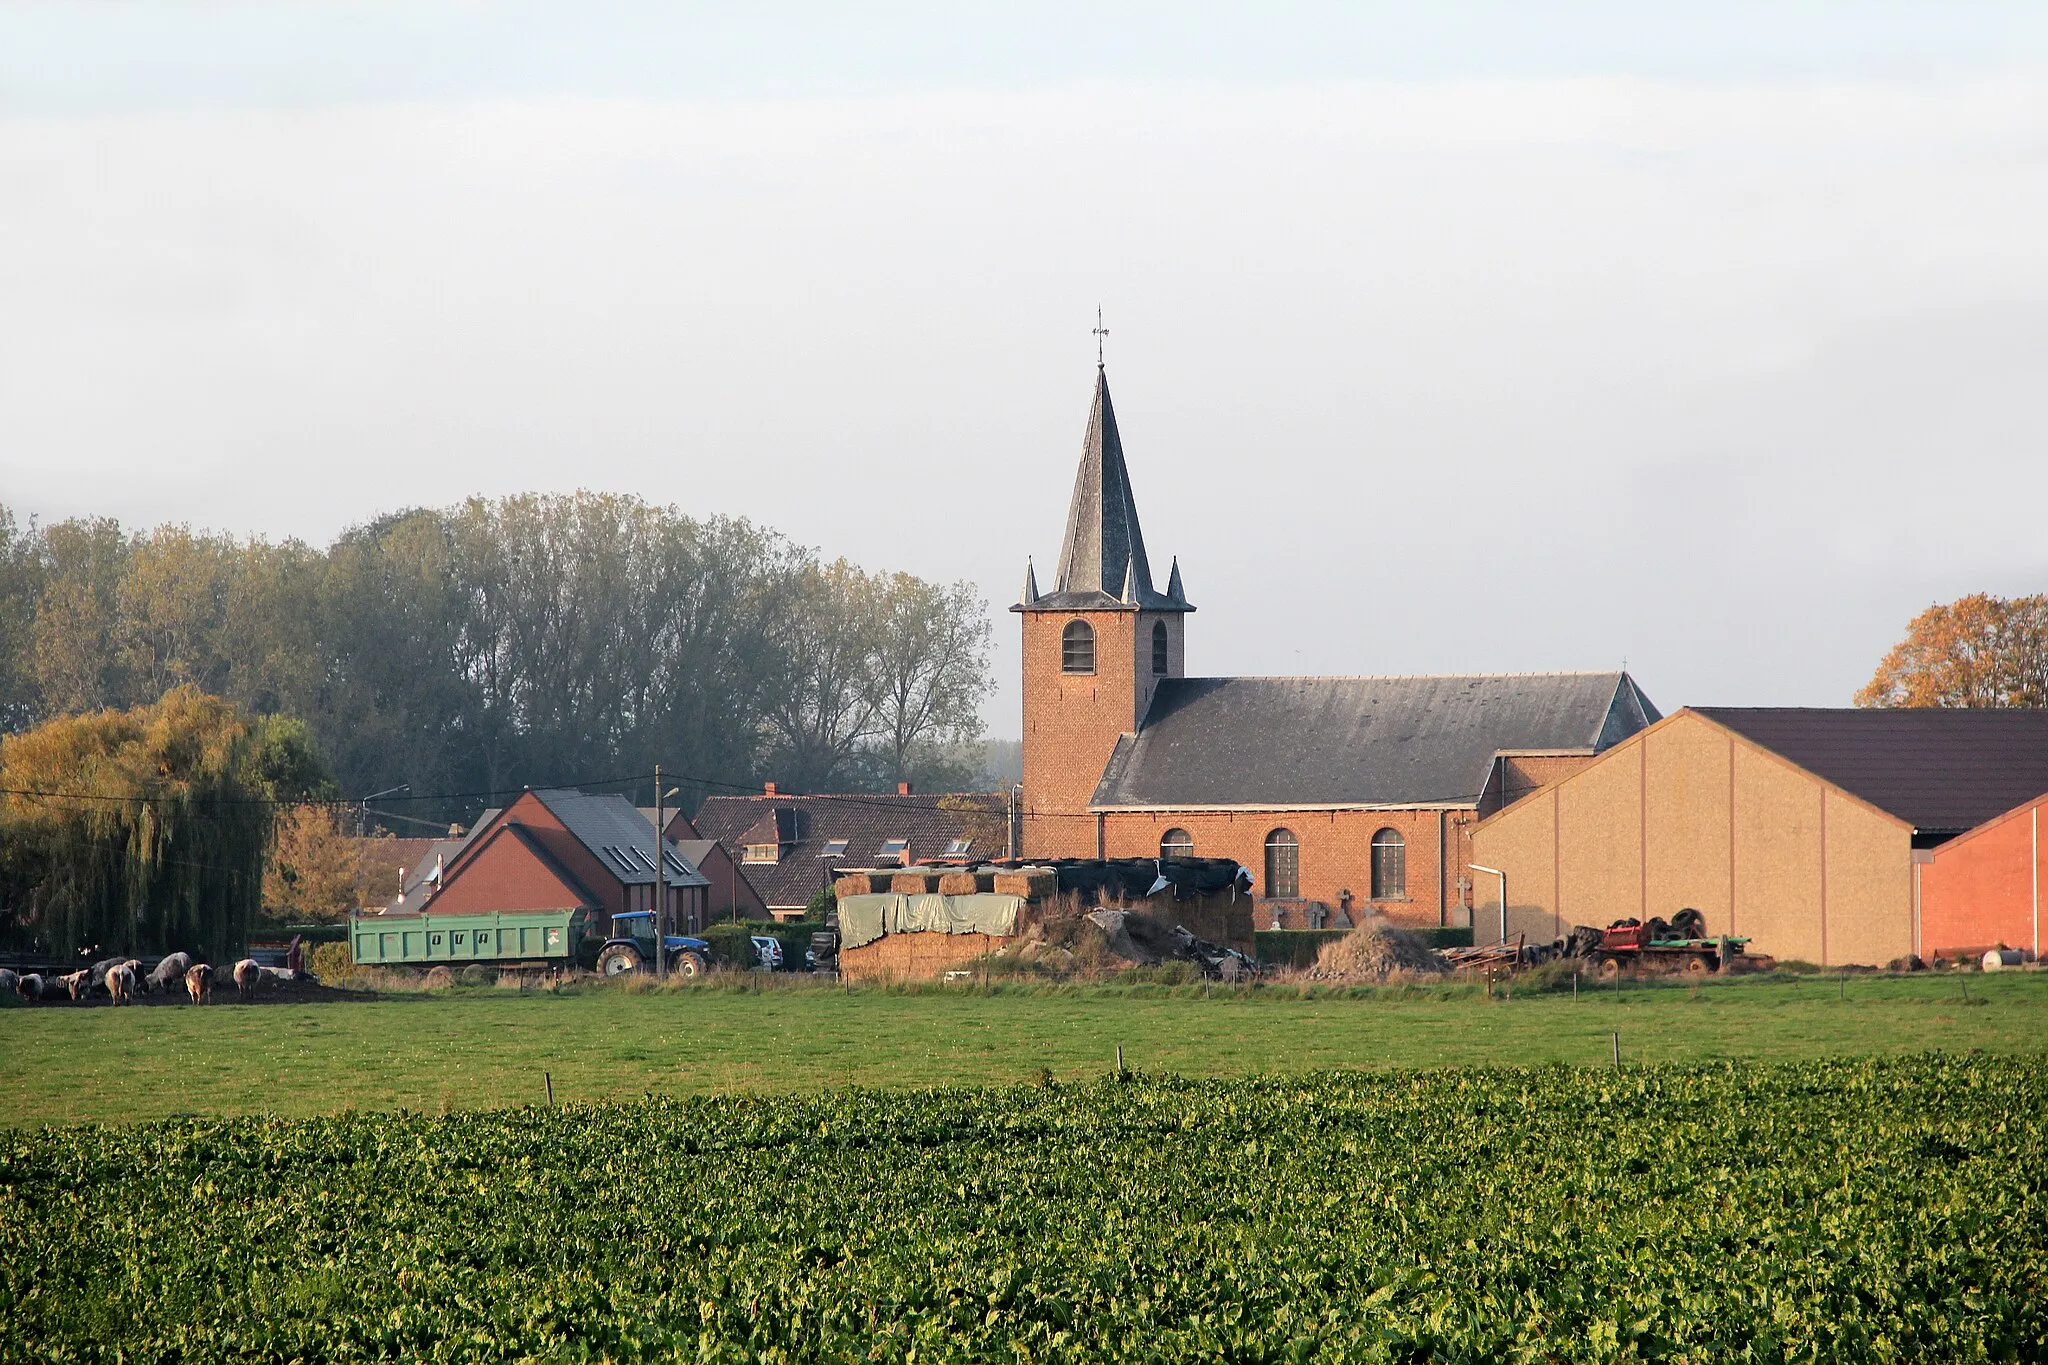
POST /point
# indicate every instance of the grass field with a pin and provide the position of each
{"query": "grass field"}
(488, 1048)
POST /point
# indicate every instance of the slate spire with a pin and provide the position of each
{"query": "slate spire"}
(1103, 545)
(1102, 559)
(1030, 597)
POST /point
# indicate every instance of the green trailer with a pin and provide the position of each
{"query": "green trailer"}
(514, 937)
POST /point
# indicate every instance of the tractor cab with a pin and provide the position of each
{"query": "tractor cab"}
(631, 948)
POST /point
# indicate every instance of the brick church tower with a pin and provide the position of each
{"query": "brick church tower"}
(1095, 647)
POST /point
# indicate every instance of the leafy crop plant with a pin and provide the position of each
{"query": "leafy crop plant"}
(1889, 1210)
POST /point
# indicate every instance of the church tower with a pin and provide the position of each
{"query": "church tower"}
(1095, 647)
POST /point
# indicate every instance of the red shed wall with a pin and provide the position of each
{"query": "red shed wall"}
(1979, 891)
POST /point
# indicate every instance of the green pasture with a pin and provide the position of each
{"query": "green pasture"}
(488, 1048)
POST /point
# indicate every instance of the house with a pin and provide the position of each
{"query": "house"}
(559, 849)
(1810, 831)
(728, 896)
(787, 847)
(1343, 794)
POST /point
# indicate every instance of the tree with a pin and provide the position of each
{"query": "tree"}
(821, 709)
(147, 829)
(1979, 650)
(315, 871)
(931, 670)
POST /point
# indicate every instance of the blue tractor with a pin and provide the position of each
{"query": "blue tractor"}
(632, 948)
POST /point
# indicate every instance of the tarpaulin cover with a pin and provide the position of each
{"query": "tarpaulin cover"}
(863, 919)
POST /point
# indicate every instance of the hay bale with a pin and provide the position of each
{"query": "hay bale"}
(918, 882)
(1375, 952)
(966, 882)
(861, 883)
(1032, 883)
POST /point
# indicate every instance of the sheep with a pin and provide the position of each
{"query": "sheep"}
(248, 975)
(31, 986)
(199, 983)
(168, 971)
(8, 980)
(138, 984)
(98, 978)
(121, 983)
(78, 983)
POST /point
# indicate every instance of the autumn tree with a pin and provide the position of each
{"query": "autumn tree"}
(315, 871)
(146, 829)
(1979, 650)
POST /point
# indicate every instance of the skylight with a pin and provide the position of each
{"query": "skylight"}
(958, 848)
(834, 848)
(898, 849)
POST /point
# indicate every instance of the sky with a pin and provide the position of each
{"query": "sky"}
(1467, 337)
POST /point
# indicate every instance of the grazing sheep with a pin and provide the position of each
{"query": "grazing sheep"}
(199, 983)
(248, 975)
(78, 983)
(121, 983)
(98, 980)
(168, 971)
(138, 983)
(31, 986)
(8, 980)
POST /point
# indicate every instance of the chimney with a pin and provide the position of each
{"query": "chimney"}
(767, 789)
(903, 789)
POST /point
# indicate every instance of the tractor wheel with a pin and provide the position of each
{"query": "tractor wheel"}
(1698, 966)
(1608, 968)
(690, 966)
(618, 959)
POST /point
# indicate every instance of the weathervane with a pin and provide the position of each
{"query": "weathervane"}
(1100, 333)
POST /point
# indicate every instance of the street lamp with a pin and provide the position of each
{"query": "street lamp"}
(363, 830)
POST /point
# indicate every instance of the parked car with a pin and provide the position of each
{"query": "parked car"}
(767, 952)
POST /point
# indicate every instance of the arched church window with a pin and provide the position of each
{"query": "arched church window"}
(1389, 866)
(1283, 865)
(1077, 648)
(1176, 843)
(1159, 648)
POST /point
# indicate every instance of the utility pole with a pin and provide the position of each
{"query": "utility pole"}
(660, 902)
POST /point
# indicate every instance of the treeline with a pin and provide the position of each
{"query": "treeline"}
(500, 643)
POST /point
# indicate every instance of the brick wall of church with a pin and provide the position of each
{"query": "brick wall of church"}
(1335, 855)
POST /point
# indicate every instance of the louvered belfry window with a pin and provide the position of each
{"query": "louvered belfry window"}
(1077, 648)
(1159, 649)
(1283, 865)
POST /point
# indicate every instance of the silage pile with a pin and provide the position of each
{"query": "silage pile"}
(1373, 953)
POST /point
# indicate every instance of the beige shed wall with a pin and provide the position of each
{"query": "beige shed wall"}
(1688, 814)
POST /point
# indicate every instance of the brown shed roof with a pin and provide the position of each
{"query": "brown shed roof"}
(1940, 770)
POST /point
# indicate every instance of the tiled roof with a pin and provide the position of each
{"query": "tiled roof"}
(1362, 741)
(1939, 770)
(616, 834)
(864, 821)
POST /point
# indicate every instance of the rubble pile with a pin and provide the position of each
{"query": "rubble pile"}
(1375, 952)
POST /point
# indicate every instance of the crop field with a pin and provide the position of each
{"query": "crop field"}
(487, 1048)
(1886, 1209)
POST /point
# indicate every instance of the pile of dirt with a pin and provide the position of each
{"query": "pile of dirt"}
(1108, 939)
(1375, 952)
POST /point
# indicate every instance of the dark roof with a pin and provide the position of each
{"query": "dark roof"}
(864, 821)
(607, 821)
(1939, 770)
(1358, 741)
(1102, 560)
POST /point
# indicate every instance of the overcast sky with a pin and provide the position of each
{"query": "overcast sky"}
(1507, 338)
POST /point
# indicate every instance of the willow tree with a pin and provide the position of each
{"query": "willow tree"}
(146, 830)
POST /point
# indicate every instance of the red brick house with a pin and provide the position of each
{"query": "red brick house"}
(1340, 793)
(558, 849)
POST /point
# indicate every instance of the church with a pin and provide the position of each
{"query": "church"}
(1346, 796)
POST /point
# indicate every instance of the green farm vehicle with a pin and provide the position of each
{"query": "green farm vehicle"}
(502, 938)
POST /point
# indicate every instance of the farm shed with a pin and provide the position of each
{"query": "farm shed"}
(1983, 889)
(1800, 828)
(907, 923)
